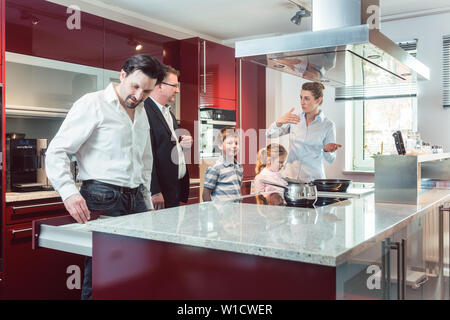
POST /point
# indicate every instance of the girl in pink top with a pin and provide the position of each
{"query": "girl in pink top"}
(269, 162)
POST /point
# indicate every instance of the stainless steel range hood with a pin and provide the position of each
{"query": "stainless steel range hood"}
(343, 47)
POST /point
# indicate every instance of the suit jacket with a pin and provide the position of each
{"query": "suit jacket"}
(165, 171)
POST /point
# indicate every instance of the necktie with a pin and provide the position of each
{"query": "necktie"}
(166, 114)
(182, 161)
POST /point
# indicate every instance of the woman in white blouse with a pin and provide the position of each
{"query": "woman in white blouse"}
(312, 136)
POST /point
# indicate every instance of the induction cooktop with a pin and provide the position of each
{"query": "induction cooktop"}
(277, 199)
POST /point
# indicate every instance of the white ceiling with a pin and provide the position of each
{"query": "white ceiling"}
(227, 20)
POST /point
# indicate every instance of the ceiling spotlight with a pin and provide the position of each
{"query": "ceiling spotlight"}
(134, 43)
(301, 13)
(35, 21)
(25, 15)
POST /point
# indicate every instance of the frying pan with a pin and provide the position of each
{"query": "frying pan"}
(332, 185)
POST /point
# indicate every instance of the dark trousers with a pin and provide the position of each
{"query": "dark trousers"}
(171, 201)
(115, 201)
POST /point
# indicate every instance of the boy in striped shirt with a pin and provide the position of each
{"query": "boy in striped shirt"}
(223, 179)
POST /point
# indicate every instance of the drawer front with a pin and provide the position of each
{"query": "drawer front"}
(36, 274)
(22, 212)
(35, 208)
(194, 192)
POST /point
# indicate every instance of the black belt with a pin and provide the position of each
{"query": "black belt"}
(113, 186)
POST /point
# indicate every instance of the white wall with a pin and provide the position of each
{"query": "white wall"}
(433, 120)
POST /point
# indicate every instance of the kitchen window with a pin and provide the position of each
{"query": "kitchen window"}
(375, 112)
(446, 71)
(374, 121)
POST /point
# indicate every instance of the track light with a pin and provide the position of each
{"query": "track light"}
(301, 13)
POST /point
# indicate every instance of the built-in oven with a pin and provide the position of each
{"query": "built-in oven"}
(212, 120)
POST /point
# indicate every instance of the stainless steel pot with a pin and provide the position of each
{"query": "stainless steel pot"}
(297, 192)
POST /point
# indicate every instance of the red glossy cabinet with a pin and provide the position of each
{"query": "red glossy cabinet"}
(208, 79)
(121, 41)
(44, 29)
(217, 71)
(29, 274)
(251, 110)
(208, 69)
(2, 38)
(40, 274)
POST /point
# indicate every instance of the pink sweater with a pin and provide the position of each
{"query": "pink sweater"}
(271, 176)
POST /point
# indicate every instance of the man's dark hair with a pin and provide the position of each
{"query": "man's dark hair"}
(150, 66)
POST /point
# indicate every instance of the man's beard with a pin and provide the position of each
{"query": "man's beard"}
(131, 105)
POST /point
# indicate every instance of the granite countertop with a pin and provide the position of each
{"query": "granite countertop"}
(37, 195)
(327, 236)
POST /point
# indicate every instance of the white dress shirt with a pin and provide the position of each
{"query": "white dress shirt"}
(165, 110)
(109, 147)
(306, 144)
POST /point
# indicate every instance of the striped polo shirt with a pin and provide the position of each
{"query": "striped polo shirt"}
(225, 179)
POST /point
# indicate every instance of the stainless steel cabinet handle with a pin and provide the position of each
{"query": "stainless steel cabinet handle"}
(386, 247)
(403, 255)
(204, 66)
(37, 205)
(21, 230)
(384, 252)
(396, 246)
(441, 247)
(401, 268)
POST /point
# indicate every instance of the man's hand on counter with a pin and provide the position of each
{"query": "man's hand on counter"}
(158, 201)
(76, 205)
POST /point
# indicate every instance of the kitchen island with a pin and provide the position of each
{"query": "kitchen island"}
(234, 250)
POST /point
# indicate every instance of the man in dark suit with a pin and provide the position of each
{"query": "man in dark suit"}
(170, 178)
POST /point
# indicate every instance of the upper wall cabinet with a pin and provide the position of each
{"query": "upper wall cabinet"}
(217, 66)
(123, 41)
(44, 29)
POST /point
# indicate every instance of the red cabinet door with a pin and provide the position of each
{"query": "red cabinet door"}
(251, 112)
(36, 274)
(217, 71)
(121, 41)
(44, 29)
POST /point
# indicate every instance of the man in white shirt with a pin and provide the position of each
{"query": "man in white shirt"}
(108, 132)
(170, 177)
